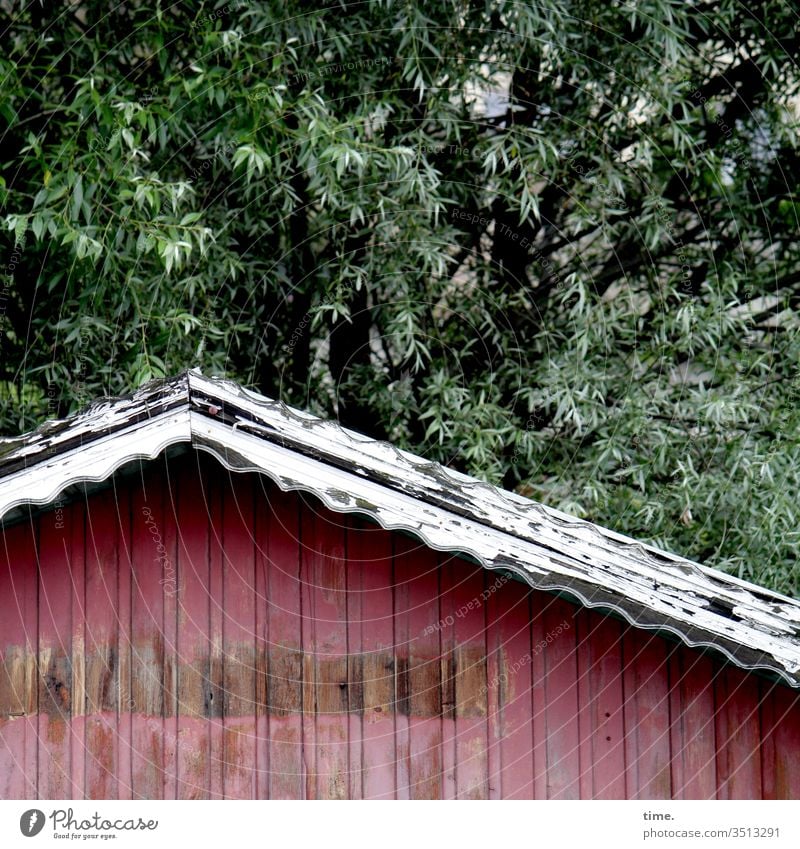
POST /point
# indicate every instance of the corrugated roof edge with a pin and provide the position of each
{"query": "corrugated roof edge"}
(752, 627)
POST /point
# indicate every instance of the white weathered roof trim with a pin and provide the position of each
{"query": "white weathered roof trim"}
(753, 627)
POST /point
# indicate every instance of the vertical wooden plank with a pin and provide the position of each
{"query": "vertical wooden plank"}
(261, 601)
(561, 694)
(102, 662)
(280, 529)
(449, 570)
(472, 779)
(402, 740)
(586, 713)
(785, 732)
(692, 743)
(166, 482)
(78, 653)
(646, 716)
(600, 658)
(55, 647)
(369, 554)
(510, 688)
(213, 496)
(494, 667)
(417, 573)
(538, 604)
(239, 627)
(18, 647)
(152, 570)
(767, 723)
(326, 617)
(125, 703)
(194, 692)
(738, 734)
(308, 677)
(354, 618)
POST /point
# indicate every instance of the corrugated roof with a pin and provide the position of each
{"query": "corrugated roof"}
(753, 627)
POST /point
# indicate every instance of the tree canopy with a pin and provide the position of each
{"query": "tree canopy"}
(550, 244)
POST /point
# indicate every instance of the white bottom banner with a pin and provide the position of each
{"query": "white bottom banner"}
(351, 825)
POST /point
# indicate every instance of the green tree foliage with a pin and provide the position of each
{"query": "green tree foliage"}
(551, 244)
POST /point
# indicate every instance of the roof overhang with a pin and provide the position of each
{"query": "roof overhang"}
(652, 589)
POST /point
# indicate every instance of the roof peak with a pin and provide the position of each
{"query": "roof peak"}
(752, 626)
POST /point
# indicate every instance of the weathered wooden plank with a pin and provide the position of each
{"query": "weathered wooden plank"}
(558, 647)
(77, 601)
(785, 731)
(354, 618)
(510, 688)
(195, 694)
(417, 582)
(239, 632)
(769, 788)
(152, 568)
(308, 659)
(174, 581)
(738, 735)
(12, 645)
(646, 716)
(586, 712)
(601, 703)
(285, 678)
(102, 659)
(494, 710)
(124, 647)
(402, 705)
(261, 543)
(538, 605)
(450, 570)
(472, 779)
(213, 494)
(369, 552)
(18, 641)
(692, 744)
(325, 620)
(55, 651)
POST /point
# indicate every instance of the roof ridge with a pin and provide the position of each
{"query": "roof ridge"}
(752, 626)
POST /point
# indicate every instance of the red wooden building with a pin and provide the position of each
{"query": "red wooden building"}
(207, 594)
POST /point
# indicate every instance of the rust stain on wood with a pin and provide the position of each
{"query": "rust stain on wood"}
(56, 730)
(100, 747)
